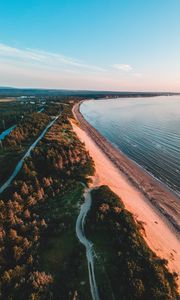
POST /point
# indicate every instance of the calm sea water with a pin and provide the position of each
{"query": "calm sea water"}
(147, 130)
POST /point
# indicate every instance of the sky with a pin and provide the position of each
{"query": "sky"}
(120, 45)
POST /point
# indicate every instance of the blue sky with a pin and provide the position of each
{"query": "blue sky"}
(90, 44)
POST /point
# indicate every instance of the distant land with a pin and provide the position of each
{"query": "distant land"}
(11, 91)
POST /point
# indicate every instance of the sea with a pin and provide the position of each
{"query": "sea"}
(147, 130)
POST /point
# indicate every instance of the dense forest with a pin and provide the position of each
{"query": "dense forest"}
(12, 111)
(130, 269)
(27, 130)
(17, 142)
(55, 167)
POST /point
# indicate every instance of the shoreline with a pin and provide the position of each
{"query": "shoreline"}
(155, 191)
(160, 221)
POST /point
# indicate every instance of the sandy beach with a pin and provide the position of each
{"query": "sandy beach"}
(138, 191)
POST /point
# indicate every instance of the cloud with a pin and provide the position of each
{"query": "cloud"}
(38, 68)
(127, 69)
(43, 58)
(122, 67)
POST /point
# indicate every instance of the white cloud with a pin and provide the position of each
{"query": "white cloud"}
(127, 69)
(43, 58)
(122, 67)
(37, 68)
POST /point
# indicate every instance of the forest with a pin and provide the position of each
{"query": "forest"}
(130, 269)
(55, 167)
(13, 110)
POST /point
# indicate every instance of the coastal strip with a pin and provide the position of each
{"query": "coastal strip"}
(159, 233)
(158, 194)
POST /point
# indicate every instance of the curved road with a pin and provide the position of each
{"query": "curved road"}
(6, 132)
(88, 245)
(20, 163)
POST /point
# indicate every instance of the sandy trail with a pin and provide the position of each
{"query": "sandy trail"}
(80, 224)
(159, 234)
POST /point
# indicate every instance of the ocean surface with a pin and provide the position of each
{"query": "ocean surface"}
(147, 130)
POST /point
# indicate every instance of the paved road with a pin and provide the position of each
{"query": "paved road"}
(20, 163)
(6, 132)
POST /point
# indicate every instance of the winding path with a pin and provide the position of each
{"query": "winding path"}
(20, 163)
(80, 223)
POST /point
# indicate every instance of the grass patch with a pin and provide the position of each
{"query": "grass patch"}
(62, 255)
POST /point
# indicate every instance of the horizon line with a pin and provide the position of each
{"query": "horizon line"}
(87, 90)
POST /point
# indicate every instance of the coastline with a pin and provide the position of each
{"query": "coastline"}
(142, 195)
(155, 191)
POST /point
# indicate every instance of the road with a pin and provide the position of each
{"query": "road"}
(20, 163)
(6, 132)
(41, 110)
(80, 223)
(80, 220)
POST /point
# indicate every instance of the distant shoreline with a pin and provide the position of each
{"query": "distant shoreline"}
(159, 195)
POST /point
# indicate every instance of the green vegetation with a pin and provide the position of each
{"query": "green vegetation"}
(12, 112)
(126, 267)
(17, 142)
(62, 254)
(29, 127)
(14, 146)
(37, 219)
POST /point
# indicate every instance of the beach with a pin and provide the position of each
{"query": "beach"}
(149, 201)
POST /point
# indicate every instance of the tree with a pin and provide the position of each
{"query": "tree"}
(18, 252)
(27, 214)
(40, 280)
(6, 277)
(31, 200)
(17, 197)
(24, 189)
(12, 234)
